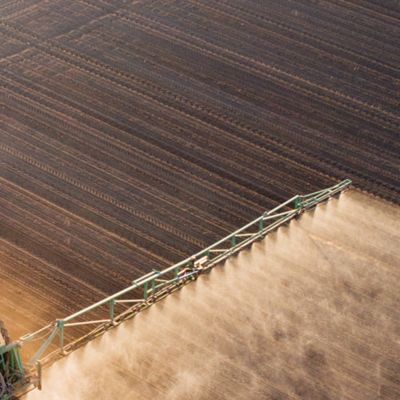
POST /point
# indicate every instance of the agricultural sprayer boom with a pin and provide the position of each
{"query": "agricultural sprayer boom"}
(155, 285)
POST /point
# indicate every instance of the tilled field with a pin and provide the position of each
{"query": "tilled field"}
(134, 133)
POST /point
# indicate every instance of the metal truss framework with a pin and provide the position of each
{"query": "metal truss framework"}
(155, 285)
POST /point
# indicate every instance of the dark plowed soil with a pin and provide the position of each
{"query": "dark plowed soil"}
(134, 133)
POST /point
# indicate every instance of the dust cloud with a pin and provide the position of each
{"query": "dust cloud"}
(311, 312)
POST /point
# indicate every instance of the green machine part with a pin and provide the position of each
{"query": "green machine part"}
(12, 372)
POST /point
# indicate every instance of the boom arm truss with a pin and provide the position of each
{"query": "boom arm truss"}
(149, 288)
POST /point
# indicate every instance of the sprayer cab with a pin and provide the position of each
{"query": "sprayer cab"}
(12, 372)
